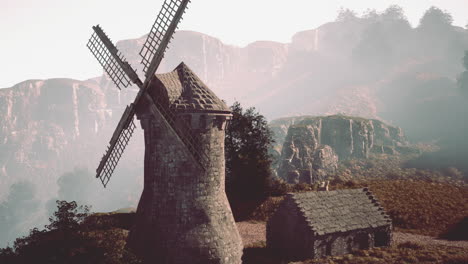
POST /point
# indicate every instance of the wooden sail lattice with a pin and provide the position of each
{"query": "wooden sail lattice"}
(117, 145)
(122, 74)
(159, 31)
(108, 61)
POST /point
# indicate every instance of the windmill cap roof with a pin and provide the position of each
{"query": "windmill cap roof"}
(187, 93)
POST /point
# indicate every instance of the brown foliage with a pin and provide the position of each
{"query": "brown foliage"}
(402, 253)
(415, 206)
(422, 207)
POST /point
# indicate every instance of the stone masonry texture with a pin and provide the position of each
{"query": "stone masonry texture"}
(318, 224)
(183, 215)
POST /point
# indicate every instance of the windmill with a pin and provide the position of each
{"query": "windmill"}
(183, 215)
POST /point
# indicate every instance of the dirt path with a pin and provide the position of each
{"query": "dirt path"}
(255, 232)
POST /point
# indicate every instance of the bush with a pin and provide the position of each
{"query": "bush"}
(421, 207)
(67, 239)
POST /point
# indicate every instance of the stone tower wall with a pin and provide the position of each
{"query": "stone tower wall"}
(184, 215)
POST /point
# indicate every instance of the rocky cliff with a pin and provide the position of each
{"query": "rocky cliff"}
(303, 158)
(313, 146)
(232, 72)
(48, 127)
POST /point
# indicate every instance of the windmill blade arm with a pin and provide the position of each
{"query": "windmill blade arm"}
(107, 54)
(161, 34)
(117, 145)
(157, 110)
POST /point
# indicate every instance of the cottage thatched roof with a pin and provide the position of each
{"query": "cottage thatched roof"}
(339, 211)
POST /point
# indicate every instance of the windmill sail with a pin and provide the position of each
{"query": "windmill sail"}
(161, 34)
(118, 69)
(117, 144)
(122, 73)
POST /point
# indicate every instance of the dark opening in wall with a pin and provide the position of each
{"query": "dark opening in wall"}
(381, 239)
(363, 241)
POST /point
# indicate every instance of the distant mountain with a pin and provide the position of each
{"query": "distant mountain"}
(369, 67)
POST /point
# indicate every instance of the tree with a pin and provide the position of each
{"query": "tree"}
(385, 39)
(395, 13)
(75, 185)
(346, 15)
(465, 60)
(436, 19)
(16, 210)
(60, 242)
(248, 138)
(68, 216)
(69, 239)
(462, 80)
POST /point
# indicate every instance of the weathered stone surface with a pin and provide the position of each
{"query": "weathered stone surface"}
(183, 215)
(319, 224)
(350, 137)
(325, 162)
(303, 160)
(313, 145)
(49, 127)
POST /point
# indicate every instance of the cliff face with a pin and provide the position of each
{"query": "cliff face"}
(49, 127)
(303, 159)
(232, 72)
(313, 145)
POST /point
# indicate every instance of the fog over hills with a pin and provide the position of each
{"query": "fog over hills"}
(375, 66)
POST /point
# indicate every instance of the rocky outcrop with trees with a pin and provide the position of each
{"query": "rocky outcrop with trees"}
(313, 146)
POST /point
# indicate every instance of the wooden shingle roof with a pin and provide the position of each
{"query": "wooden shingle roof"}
(187, 93)
(329, 212)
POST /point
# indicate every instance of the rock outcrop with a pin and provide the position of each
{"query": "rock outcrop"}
(49, 127)
(303, 160)
(313, 146)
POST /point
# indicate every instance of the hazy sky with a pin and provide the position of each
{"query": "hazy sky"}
(46, 38)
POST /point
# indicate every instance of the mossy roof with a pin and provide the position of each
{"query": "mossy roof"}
(329, 212)
(187, 93)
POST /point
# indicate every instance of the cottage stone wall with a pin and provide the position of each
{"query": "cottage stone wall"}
(297, 232)
(287, 232)
(184, 215)
(345, 243)
(342, 243)
(296, 242)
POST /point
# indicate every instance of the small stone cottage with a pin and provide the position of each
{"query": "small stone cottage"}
(328, 223)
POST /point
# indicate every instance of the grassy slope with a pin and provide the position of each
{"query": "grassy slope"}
(415, 206)
(397, 254)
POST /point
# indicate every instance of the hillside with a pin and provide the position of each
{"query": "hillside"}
(102, 236)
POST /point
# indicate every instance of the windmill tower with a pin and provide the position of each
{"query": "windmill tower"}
(183, 215)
